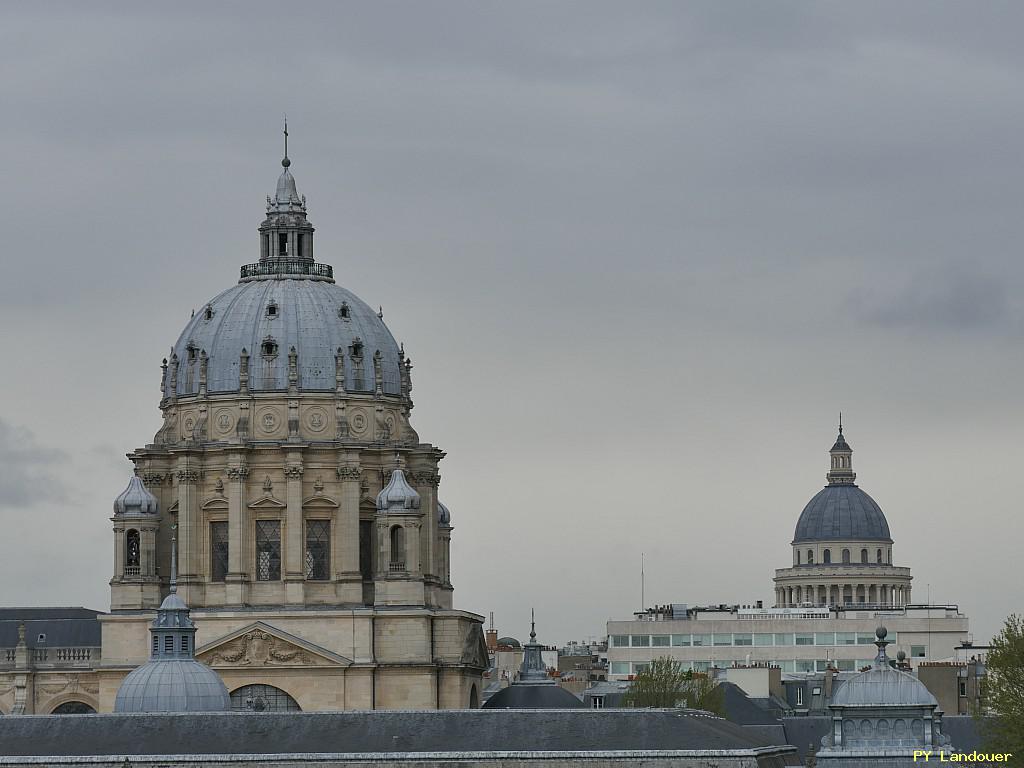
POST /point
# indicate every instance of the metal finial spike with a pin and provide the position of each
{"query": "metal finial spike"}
(533, 627)
(840, 422)
(286, 162)
(174, 565)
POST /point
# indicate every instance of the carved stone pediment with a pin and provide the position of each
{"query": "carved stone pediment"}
(261, 645)
(319, 502)
(215, 504)
(267, 502)
(474, 649)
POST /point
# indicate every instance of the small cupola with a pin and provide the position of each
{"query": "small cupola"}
(398, 495)
(444, 517)
(135, 499)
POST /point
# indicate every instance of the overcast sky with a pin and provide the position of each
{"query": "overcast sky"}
(641, 255)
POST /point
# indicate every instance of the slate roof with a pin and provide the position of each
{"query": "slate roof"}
(842, 512)
(445, 731)
(807, 732)
(741, 709)
(525, 696)
(63, 627)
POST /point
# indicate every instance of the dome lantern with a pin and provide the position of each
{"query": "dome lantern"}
(841, 472)
(286, 236)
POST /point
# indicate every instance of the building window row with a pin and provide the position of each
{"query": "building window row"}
(847, 557)
(754, 639)
(267, 563)
(786, 665)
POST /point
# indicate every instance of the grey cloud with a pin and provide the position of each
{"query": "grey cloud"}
(618, 239)
(935, 299)
(27, 478)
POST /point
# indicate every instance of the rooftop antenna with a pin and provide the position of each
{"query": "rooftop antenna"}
(642, 583)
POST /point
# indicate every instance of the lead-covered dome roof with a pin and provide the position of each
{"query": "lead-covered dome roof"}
(883, 685)
(282, 302)
(267, 317)
(172, 685)
(840, 512)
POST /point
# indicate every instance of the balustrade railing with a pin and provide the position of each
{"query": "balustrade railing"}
(286, 267)
(397, 566)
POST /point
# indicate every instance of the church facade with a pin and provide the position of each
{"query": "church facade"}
(312, 547)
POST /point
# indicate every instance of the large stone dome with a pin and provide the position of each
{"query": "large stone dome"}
(268, 315)
(842, 512)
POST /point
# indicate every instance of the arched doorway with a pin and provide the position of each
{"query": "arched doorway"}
(474, 698)
(262, 698)
(74, 708)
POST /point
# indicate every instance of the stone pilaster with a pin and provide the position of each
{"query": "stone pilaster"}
(237, 578)
(345, 533)
(294, 531)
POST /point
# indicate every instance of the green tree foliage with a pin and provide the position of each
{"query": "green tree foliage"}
(1003, 729)
(664, 683)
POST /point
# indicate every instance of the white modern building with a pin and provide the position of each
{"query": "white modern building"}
(841, 586)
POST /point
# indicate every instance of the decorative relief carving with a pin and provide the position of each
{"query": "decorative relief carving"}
(425, 477)
(156, 478)
(349, 473)
(238, 473)
(189, 476)
(258, 648)
(268, 421)
(293, 473)
(51, 689)
(225, 422)
(316, 420)
(318, 485)
(359, 422)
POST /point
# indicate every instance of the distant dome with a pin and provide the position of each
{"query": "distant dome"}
(267, 317)
(510, 642)
(524, 696)
(135, 499)
(842, 512)
(883, 685)
(172, 685)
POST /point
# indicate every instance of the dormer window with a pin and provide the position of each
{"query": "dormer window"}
(269, 347)
(357, 348)
(208, 313)
(344, 313)
(193, 352)
(272, 310)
